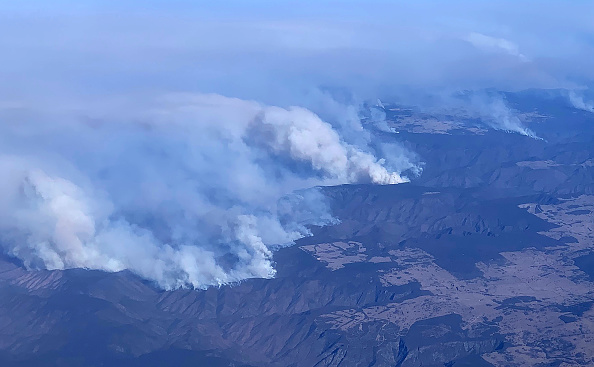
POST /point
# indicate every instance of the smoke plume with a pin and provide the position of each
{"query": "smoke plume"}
(494, 111)
(187, 190)
(578, 101)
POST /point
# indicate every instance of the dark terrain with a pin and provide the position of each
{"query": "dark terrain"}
(485, 259)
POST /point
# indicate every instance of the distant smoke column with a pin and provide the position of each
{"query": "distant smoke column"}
(579, 102)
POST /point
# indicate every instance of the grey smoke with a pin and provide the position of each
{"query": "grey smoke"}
(182, 190)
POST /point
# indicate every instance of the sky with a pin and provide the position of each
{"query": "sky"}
(183, 140)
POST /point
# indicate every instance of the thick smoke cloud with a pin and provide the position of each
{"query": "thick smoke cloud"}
(183, 191)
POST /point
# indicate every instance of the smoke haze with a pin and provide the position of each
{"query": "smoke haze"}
(181, 140)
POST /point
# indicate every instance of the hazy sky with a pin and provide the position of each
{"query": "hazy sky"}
(259, 49)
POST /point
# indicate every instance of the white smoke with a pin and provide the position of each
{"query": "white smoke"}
(183, 191)
(494, 111)
(301, 134)
(578, 101)
(494, 44)
(485, 106)
(501, 117)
